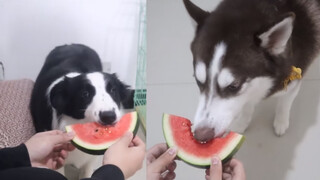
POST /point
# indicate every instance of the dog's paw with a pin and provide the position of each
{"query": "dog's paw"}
(280, 126)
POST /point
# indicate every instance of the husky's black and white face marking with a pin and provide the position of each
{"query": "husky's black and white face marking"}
(238, 60)
(224, 94)
(90, 97)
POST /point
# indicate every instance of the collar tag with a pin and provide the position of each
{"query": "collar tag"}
(295, 74)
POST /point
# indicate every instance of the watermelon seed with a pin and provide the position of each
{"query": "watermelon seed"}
(96, 130)
(109, 131)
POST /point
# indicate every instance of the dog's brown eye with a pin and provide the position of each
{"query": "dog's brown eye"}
(85, 94)
(234, 86)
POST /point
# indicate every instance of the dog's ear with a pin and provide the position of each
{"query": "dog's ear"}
(195, 12)
(276, 37)
(59, 95)
(126, 94)
(128, 100)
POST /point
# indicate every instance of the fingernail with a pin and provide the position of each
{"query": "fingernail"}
(70, 134)
(215, 160)
(172, 151)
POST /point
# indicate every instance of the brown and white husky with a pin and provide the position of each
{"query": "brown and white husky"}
(248, 50)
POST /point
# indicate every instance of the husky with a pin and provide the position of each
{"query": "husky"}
(248, 50)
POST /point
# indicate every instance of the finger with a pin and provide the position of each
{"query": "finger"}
(169, 176)
(207, 177)
(65, 146)
(59, 147)
(172, 166)
(227, 169)
(54, 164)
(234, 163)
(55, 154)
(131, 144)
(60, 162)
(237, 168)
(54, 132)
(61, 138)
(226, 176)
(137, 141)
(70, 147)
(226, 163)
(156, 151)
(150, 159)
(126, 139)
(160, 164)
(216, 168)
(63, 154)
(207, 171)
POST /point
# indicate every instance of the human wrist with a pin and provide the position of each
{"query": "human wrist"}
(30, 152)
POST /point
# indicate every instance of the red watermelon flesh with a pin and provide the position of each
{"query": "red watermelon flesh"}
(177, 131)
(94, 138)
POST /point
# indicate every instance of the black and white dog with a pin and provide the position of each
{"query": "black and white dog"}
(245, 51)
(71, 88)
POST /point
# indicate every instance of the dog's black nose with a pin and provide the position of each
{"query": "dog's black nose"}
(204, 134)
(107, 117)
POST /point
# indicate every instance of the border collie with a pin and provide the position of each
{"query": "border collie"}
(71, 88)
(248, 50)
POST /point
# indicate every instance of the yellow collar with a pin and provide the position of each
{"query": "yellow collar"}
(295, 74)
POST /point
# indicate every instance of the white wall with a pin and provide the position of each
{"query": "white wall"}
(30, 29)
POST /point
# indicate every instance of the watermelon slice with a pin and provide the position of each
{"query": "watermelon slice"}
(94, 138)
(177, 132)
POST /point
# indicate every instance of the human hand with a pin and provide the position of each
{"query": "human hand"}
(49, 149)
(233, 170)
(127, 154)
(160, 162)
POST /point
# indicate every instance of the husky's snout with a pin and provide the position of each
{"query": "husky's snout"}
(204, 134)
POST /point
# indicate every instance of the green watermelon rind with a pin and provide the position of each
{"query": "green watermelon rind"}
(224, 155)
(100, 149)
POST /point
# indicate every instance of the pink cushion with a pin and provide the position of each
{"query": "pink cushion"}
(16, 124)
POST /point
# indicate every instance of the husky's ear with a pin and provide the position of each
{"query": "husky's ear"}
(275, 39)
(195, 12)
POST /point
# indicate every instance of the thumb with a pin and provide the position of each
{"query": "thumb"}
(215, 168)
(164, 160)
(126, 139)
(62, 138)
